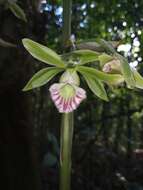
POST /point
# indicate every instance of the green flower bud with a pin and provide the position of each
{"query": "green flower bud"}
(113, 66)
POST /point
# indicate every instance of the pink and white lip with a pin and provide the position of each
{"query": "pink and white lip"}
(69, 104)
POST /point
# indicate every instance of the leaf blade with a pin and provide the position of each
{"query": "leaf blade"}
(43, 53)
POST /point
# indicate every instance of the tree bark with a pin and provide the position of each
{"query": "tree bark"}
(18, 160)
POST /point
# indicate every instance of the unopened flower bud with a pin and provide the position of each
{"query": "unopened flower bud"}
(113, 66)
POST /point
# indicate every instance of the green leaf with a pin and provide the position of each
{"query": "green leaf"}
(126, 71)
(42, 77)
(112, 79)
(86, 56)
(4, 43)
(43, 53)
(17, 11)
(138, 79)
(96, 86)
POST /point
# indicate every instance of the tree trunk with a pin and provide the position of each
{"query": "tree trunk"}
(18, 160)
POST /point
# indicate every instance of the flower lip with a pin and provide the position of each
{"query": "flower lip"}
(66, 96)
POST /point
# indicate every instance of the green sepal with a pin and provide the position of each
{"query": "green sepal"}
(91, 45)
(96, 86)
(86, 56)
(126, 71)
(43, 53)
(16, 10)
(112, 79)
(105, 58)
(42, 77)
(138, 79)
(108, 47)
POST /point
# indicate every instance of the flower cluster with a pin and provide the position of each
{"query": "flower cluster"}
(67, 95)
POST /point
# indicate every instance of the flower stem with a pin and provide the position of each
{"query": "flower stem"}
(66, 149)
(67, 7)
(67, 118)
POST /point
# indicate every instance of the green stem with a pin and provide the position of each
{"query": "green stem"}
(67, 7)
(67, 118)
(66, 149)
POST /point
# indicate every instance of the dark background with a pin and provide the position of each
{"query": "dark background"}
(108, 137)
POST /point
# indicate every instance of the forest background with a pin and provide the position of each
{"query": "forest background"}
(108, 136)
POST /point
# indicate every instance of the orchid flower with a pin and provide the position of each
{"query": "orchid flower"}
(66, 94)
